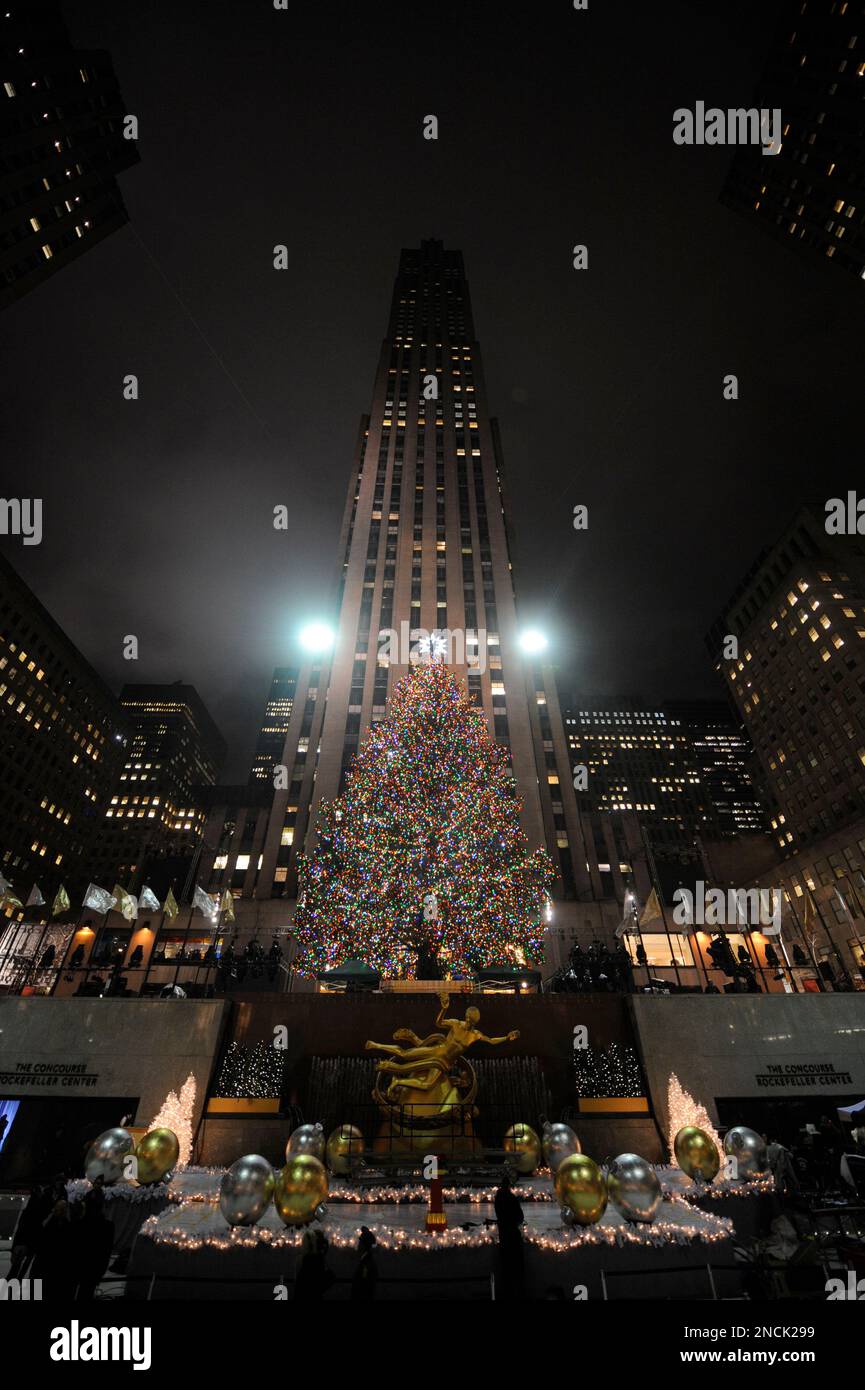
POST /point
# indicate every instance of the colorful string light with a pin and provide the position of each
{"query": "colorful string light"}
(423, 853)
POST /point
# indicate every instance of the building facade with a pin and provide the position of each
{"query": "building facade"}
(680, 766)
(425, 548)
(62, 146)
(274, 725)
(61, 746)
(155, 811)
(810, 195)
(798, 681)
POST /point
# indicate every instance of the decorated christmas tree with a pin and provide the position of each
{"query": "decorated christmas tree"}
(684, 1110)
(176, 1114)
(421, 866)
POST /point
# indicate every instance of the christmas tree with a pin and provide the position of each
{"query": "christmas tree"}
(422, 858)
(176, 1114)
(684, 1110)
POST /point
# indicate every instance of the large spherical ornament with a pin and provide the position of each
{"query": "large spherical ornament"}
(559, 1142)
(245, 1190)
(307, 1139)
(344, 1149)
(157, 1153)
(634, 1188)
(580, 1187)
(697, 1154)
(748, 1149)
(523, 1146)
(300, 1188)
(106, 1155)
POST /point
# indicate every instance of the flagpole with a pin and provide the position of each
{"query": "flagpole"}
(695, 937)
(182, 954)
(156, 936)
(653, 872)
(782, 943)
(849, 880)
(830, 938)
(804, 935)
(33, 966)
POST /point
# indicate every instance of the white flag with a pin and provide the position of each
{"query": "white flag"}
(36, 899)
(98, 898)
(148, 901)
(204, 902)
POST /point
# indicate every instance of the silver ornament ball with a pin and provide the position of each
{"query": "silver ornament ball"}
(634, 1189)
(748, 1148)
(559, 1142)
(307, 1139)
(245, 1190)
(106, 1155)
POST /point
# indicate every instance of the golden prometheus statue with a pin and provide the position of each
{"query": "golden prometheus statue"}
(427, 1085)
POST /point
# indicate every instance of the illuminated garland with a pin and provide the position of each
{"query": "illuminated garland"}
(712, 1230)
(78, 1188)
(423, 853)
(673, 1185)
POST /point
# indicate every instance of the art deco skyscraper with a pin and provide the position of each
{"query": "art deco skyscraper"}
(424, 545)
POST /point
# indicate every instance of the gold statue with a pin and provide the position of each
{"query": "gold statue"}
(431, 1082)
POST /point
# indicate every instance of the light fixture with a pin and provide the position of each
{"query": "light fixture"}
(533, 641)
(317, 637)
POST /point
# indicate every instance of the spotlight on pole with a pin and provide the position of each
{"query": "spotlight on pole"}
(533, 641)
(317, 638)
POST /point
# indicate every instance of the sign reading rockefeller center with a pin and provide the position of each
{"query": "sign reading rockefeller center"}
(803, 1074)
(49, 1074)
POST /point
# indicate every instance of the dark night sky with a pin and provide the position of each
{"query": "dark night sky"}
(260, 127)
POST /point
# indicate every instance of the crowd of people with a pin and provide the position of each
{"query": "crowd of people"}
(599, 969)
(594, 970)
(67, 1245)
(820, 1160)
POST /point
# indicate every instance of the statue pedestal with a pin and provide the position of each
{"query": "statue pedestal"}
(411, 1133)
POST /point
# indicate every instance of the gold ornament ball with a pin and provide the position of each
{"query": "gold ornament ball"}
(344, 1148)
(157, 1153)
(697, 1154)
(581, 1188)
(300, 1188)
(524, 1147)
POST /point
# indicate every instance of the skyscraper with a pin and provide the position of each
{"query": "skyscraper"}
(61, 732)
(810, 195)
(274, 724)
(173, 748)
(425, 549)
(681, 766)
(798, 679)
(61, 147)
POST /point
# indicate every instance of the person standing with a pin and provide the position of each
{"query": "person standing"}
(28, 1231)
(366, 1274)
(54, 1262)
(93, 1243)
(509, 1215)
